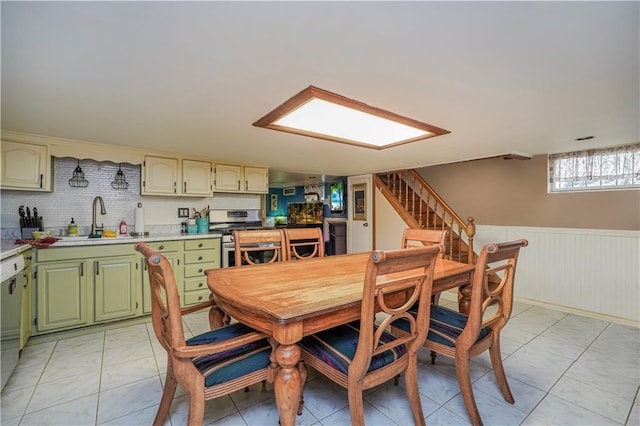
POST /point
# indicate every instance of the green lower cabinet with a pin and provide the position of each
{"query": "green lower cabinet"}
(116, 286)
(62, 295)
(199, 255)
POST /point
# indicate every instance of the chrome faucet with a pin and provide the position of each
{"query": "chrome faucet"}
(94, 227)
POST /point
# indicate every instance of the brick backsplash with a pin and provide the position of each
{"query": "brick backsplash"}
(58, 207)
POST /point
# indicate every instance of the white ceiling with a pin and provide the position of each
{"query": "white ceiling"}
(191, 77)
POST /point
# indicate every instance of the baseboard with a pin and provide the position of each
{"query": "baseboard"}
(452, 296)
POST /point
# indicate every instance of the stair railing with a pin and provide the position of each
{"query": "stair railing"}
(421, 207)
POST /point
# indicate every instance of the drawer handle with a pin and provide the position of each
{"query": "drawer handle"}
(200, 270)
(199, 257)
(200, 245)
(200, 284)
(161, 248)
(199, 297)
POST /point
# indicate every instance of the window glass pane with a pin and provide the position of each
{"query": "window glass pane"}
(606, 168)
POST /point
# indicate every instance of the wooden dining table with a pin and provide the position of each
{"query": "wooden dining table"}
(290, 300)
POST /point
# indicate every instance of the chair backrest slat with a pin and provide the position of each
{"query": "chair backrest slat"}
(304, 243)
(411, 269)
(495, 259)
(166, 315)
(416, 237)
(259, 246)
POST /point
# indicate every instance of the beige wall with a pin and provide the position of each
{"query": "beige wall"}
(514, 193)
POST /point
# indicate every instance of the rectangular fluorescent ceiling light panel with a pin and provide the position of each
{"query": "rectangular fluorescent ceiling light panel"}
(317, 113)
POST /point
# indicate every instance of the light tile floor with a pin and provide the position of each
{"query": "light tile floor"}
(563, 369)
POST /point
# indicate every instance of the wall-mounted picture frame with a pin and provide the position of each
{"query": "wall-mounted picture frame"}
(183, 212)
(336, 197)
(273, 202)
(360, 201)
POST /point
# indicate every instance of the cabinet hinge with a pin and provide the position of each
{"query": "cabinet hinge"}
(136, 305)
(35, 275)
(35, 321)
(144, 183)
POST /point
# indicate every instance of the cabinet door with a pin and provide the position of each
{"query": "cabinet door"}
(174, 260)
(25, 322)
(62, 295)
(256, 179)
(228, 177)
(115, 286)
(160, 175)
(196, 177)
(25, 166)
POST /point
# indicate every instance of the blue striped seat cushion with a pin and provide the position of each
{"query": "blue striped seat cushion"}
(228, 365)
(444, 322)
(337, 346)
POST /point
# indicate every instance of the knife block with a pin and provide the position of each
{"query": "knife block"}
(26, 229)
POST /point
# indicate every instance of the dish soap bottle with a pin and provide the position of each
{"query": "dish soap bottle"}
(73, 229)
(123, 227)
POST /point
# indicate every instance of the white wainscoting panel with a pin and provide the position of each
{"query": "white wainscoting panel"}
(590, 270)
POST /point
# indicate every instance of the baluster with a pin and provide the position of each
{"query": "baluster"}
(471, 232)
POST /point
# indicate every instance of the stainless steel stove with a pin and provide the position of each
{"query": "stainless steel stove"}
(225, 222)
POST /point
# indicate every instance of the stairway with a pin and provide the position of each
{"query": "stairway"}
(421, 207)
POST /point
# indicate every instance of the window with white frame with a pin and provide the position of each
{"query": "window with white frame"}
(595, 169)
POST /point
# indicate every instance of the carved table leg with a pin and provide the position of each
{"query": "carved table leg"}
(287, 384)
(216, 317)
(464, 299)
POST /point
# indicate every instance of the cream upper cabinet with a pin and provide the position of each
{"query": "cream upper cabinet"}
(256, 179)
(233, 178)
(228, 177)
(160, 176)
(173, 176)
(196, 177)
(25, 166)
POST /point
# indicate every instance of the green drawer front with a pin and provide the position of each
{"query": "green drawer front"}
(210, 243)
(198, 269)
(194, 297)
(199, 256)
(193, 284)
(164, 246)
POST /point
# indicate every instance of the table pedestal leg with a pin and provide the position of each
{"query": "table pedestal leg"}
(217, 318)
(464, 299)
(287, 383)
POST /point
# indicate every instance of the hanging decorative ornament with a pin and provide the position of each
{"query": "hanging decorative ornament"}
(78, 180)
(120, 181)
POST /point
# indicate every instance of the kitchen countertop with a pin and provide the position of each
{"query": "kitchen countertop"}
(9, 248)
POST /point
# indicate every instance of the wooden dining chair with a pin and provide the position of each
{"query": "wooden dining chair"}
(361, 355)
(209, 365)
(462, 337)
(258, 246)
(304, 243)
(418, 237)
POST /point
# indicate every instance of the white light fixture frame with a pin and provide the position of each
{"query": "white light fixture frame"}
(325, 115)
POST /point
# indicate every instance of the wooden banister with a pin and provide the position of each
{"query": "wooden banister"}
(420, 206)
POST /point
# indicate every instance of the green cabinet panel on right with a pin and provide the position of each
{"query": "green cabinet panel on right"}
(115, 288)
